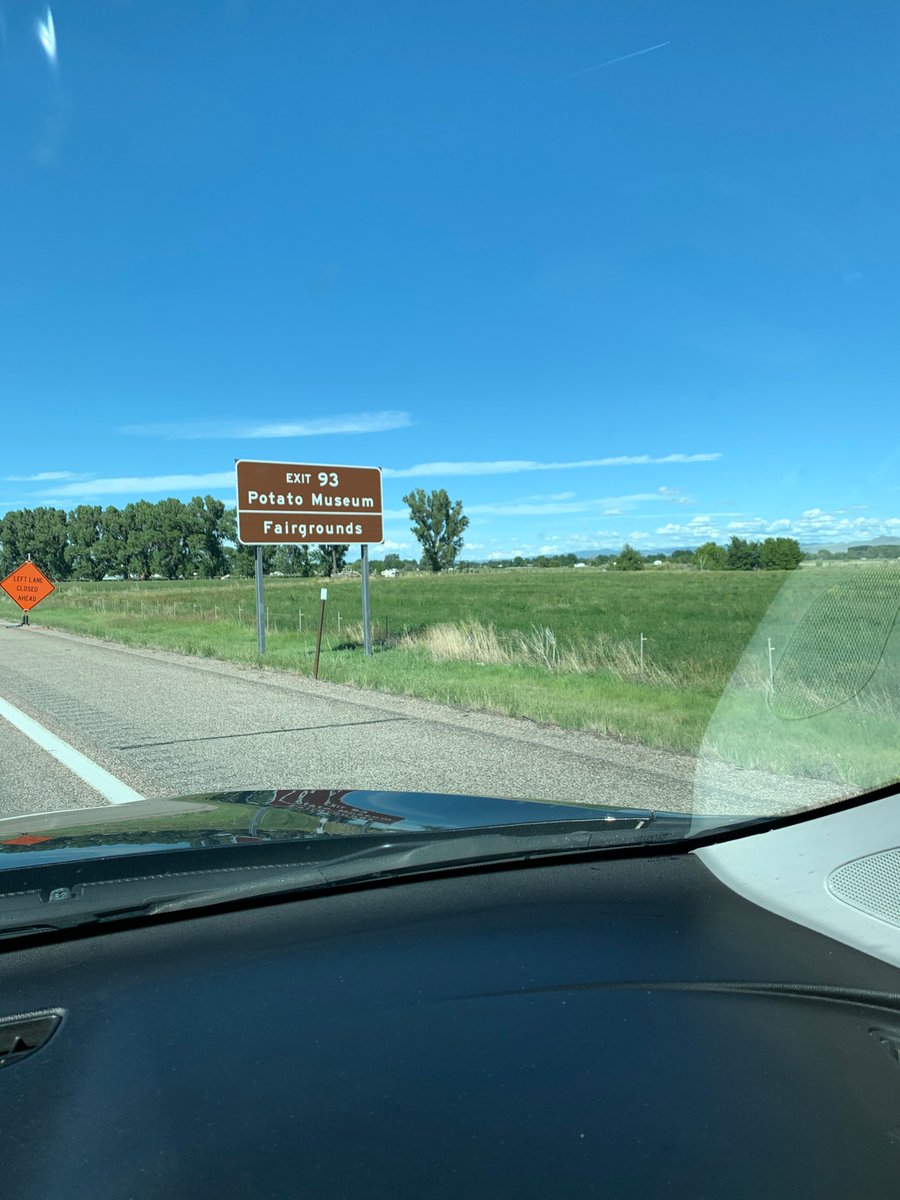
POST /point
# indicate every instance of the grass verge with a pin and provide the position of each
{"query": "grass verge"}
(556, 646)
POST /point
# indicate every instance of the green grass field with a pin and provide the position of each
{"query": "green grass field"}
(559, 646)
(563, 647)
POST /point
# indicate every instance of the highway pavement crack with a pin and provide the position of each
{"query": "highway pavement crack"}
(219, 737)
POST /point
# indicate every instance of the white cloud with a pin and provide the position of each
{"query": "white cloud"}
(752, 526)
(516, 465)
(375, 422)
(528, 510)
(141, 484)
(843, 526)
(700, 528)
(813, 525)
(696, 530)
(675, 496)
(604, 540)
(42, 477)
(611, 506)
(601, 540)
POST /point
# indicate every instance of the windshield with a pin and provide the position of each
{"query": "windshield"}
(459, 401)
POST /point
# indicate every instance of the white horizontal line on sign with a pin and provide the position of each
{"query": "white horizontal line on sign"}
(309, 512)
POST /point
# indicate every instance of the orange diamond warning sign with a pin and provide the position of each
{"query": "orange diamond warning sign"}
(27, 585)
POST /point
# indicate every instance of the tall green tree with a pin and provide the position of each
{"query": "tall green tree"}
(438, 525)
(16, 539)
(50, 538)
(39, 532)
(240, 560)
(115, 540)
(137, 524)
(171, 548)
(330, 559)
(629, 559)
(780, 554)
(709, 557)
(206, 537)
(742, 555)
(293, 560)
(89, 553)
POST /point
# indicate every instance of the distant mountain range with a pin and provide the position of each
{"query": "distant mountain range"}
(809, 547)
(842, 547)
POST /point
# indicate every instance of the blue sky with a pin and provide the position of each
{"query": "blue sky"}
(654, 300)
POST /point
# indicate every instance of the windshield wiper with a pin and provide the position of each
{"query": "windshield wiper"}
(70, 899)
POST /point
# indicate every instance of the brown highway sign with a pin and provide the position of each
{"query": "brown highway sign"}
(290, 503)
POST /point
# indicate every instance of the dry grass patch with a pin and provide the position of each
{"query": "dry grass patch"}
(539, 647)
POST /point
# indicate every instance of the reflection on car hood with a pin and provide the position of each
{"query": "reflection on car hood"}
(236, 818)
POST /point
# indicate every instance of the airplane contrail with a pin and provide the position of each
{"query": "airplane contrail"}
(622, 58)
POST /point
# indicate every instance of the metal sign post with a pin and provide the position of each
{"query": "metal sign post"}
(367, 609)
(323, 596)
(260, 602)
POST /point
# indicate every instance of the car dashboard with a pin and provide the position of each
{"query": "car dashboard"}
(625, 1027)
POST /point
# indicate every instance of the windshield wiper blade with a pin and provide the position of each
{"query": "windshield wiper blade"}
(329, 863)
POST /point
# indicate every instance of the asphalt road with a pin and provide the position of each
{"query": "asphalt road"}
(156, 725)
(167, 725)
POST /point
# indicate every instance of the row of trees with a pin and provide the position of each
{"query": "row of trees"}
(169, 539)
(860, 553)
(174, 540)
(774, 554)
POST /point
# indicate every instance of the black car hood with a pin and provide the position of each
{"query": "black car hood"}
(239, 817)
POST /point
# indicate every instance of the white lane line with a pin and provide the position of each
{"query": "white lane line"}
(110, 788)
